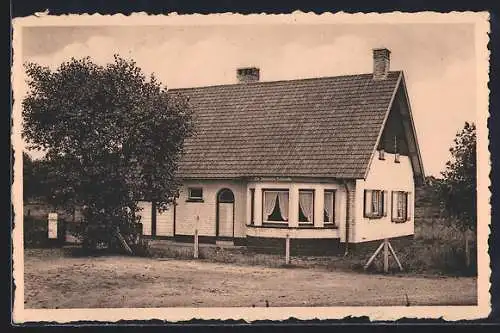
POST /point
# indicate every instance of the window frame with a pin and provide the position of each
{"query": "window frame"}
(194, 198)
(328, 223)
(252, 206)
(381, 205)
(405, 200)
(308, 223)
(264, 220)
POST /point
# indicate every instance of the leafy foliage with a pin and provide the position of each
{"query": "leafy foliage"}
(111, 136)
(457, 188)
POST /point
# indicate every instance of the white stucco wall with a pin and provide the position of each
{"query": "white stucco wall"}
(389, 176)
(186, 212)
(145, 215)
(165, 222)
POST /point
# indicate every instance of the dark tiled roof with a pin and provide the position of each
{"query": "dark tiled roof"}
(323, 127)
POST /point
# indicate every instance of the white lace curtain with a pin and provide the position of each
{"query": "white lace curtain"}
(269, 202)
(306, 204)
(329, 207)
(283, 196)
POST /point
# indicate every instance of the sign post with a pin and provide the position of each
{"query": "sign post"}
(287, 249)
(52, 226)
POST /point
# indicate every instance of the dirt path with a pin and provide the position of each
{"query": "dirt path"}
(62, 282)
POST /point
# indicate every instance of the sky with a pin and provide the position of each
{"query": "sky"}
(438, 61)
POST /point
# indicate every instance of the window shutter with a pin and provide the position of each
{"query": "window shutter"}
(409, 206)
(394, 205)
(367, 203)
(381, 203)
(385, 199)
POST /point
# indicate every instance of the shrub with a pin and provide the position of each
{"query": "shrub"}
(142, 248)
(440, 246)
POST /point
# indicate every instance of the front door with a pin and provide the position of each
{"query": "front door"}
(225, 214)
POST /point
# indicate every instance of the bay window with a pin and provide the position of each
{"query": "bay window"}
(329, 208)
(275, 206)
(306, 207)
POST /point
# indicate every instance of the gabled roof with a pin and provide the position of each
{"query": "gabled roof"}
(322, 127)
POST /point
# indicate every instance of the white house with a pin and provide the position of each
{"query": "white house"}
(328, 161)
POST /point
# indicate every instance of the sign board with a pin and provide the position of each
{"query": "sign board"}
(52, 226)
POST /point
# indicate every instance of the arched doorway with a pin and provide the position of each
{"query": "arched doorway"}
(225, 214)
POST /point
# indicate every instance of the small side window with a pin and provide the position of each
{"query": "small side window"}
(374, 204)
(195, 194)
(400, 207)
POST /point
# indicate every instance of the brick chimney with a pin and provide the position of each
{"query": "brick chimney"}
(381, 63)
(247, 74)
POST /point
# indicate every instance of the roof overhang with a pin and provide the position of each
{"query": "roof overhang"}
(409, 129)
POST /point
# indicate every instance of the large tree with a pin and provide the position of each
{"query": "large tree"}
(111, 137)
(458, 186)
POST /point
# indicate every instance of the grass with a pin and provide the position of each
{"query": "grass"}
(438, 248)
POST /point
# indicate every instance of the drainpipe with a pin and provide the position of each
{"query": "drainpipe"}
(347, 217)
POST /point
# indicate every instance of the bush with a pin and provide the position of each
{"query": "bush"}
(142, 248)
(440, 246)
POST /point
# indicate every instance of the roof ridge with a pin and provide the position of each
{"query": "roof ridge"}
(257, 83)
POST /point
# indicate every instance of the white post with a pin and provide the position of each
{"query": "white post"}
(196, 243)
(386, 255)
(52, 226)
(287, 249)
(196, 248)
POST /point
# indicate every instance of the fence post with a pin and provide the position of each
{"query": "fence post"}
(52, 226)
(386, 255)
(287, 249)
(196, 243)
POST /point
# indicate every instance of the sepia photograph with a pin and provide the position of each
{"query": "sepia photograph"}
(250, 166)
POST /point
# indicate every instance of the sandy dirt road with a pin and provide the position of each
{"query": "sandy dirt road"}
(65, 282)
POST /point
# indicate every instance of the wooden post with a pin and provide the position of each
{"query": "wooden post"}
(122, 241)
(386, 255)
(373, 256)
(387, 246)
(395, 256)
(196, 243)
(287, 249)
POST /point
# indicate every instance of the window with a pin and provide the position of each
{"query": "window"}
(252, 205)
(329, 208)
(400, 206)
(226, 195)
(374, 202)
(195, 194)
(306, 207)
(275, 206)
